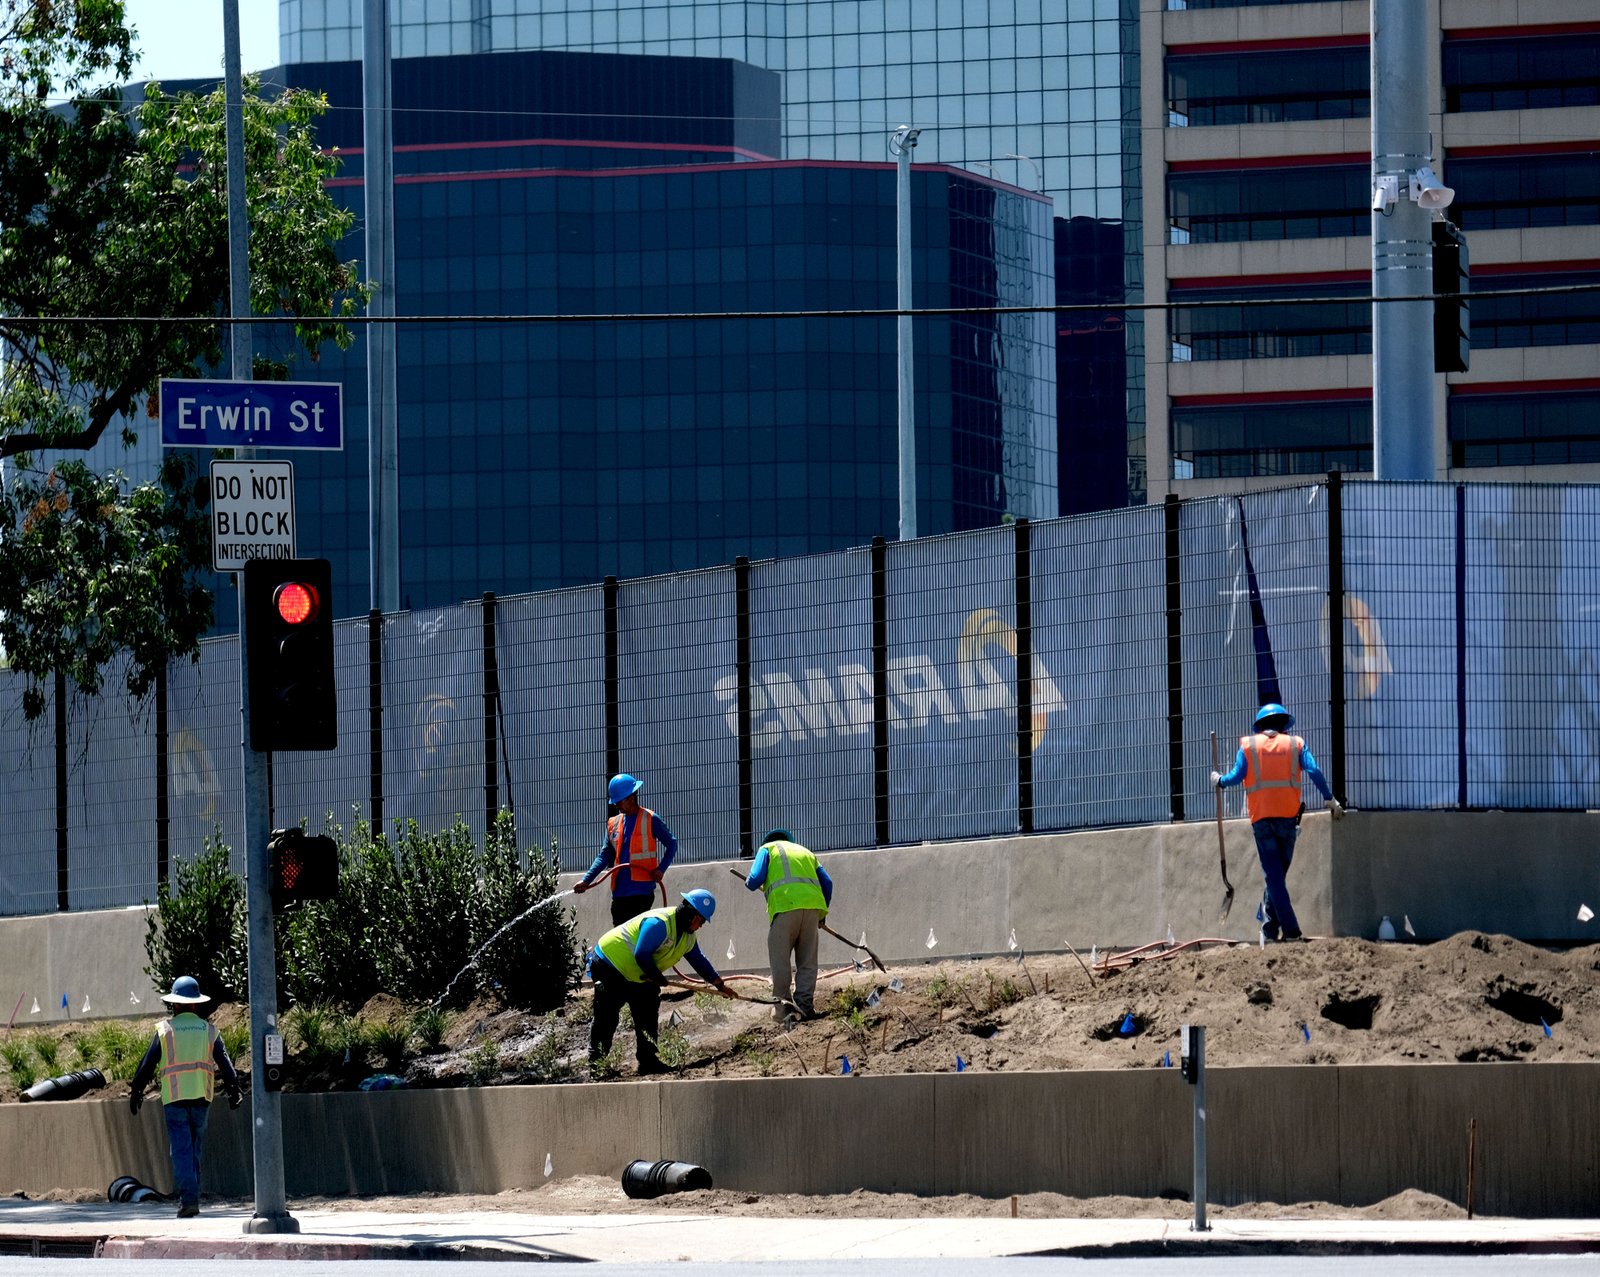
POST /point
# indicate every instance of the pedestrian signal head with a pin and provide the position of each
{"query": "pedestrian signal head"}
(1272, 716)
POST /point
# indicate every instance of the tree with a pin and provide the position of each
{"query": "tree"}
(113, 219)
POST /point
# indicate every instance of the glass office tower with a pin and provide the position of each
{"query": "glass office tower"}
(550, 453)
(1043, 93)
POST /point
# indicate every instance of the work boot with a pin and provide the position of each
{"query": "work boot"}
(188, 1210)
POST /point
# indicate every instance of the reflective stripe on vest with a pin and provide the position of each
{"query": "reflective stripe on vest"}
(187, 1070)
(1272, 774)
(639, 853)
(616, 946)
(792, 881)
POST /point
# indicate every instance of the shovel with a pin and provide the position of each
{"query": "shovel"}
(1222, 846)
(876, 961)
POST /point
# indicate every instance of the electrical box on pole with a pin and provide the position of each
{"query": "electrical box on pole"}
(288, 636)
(1452, 327)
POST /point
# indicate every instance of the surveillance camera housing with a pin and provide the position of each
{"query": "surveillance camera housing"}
(1385, 192)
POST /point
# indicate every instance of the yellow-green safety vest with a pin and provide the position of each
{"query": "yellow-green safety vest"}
(792, 881)
(616, 946)
(187, 1070)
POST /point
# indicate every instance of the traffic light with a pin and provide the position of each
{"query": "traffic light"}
(302, 867)
(1452, 327)
(288, 637)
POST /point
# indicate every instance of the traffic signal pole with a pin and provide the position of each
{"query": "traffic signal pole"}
(271, 1213)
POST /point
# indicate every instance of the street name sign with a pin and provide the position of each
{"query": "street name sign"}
(252, 512)
(305, 415)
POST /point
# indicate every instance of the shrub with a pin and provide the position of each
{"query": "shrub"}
(47, 1050)
(329, 951)
(115, 1047)
(390, 1040)
(198, 926)
(236, 1040)
(533, 964)
(673, 1048)
(429, 1025)
(13, 1053)
(483, 1064)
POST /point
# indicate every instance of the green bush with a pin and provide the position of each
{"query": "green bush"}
(198, 926)
(115, 1047)
(328, 950)
(429, 1025)
(534, 964)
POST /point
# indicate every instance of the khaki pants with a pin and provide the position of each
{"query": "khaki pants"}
(794, 932)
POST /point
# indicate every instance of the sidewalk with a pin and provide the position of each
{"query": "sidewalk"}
(149, 1231)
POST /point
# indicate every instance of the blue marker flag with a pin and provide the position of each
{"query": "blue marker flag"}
(1305, 1030)
(63, 1001)
(844, 1064)
(961, 1065)
(1547, 1032)
(1166, 1059)
(1127, 1024)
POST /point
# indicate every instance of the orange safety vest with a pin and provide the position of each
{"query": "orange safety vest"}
(1272, 774)
(639, 852)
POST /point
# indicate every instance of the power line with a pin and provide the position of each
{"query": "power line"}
(876, 312)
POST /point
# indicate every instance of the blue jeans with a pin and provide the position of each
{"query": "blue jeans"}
(186, 1131)
(1275, 837)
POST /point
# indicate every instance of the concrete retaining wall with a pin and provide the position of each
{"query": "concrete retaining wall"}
(1513, 873)
(1347, 1135)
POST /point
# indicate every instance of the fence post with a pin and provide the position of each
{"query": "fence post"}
(1461, 646)
(491, 699)
(1024, 599)
(375, 715)
(62, 861)
(1336, 680)
(741, 624)
(880, 690)
(163, 810)
(613, 698)
(1175, 787)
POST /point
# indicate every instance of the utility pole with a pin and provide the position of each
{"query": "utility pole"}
(383, 465)
(1402, 243)
(266, 1111)
(901, 144)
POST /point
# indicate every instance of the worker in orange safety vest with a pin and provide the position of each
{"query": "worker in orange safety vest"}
(1270, 764)
(640, 847)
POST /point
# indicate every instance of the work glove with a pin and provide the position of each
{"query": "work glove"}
(722, 988)
(1216, 779)
(1335, 807)
(581, 887)
(135, 1103)
(235, 1098)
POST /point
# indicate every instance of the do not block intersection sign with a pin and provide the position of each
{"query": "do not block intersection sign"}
(252, 512)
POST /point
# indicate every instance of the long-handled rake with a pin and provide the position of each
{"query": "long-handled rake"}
(1222, 846)
(876, 960)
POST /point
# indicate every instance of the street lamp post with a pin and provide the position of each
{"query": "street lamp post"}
(901, 144)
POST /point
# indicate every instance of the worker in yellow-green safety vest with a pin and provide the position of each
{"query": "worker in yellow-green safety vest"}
(798, 892)
(629, 966)
(189, 1054)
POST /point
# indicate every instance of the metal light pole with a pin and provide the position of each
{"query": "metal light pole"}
(383, 465)
(1402, 246)
(266, 1111)
(901, 144)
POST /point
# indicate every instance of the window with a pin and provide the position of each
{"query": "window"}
(1563, 319)
(1235, 441)
(1510, 73)
(1527, 189)
(1285, 201)
(1256, 328)
(1268, 87)
(1528, 428)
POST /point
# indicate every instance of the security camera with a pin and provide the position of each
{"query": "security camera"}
(1385, 192)
(1428, 192)
(904, 138)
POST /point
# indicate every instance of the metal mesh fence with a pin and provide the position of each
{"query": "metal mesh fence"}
(872, 696)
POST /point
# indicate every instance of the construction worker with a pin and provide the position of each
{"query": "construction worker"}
(639, 844)
(190, 1055)
(1269, 764)
(629, 966)
(798, 892)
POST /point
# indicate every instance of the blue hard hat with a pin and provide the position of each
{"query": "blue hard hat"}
(701, 901)
(779, 835)
(621, 786)
(185, 989)
(1274, 710)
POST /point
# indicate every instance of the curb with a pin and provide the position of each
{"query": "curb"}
(1196, 1247)
(324, 1248)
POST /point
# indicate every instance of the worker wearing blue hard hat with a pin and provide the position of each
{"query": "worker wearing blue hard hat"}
(1270, 764)
(629, 966)
(638, 845)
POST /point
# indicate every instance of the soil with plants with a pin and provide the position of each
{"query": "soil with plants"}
(1470, 998)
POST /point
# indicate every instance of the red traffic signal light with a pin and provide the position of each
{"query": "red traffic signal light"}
(288, 644)
(302, 867)
(296, 602)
